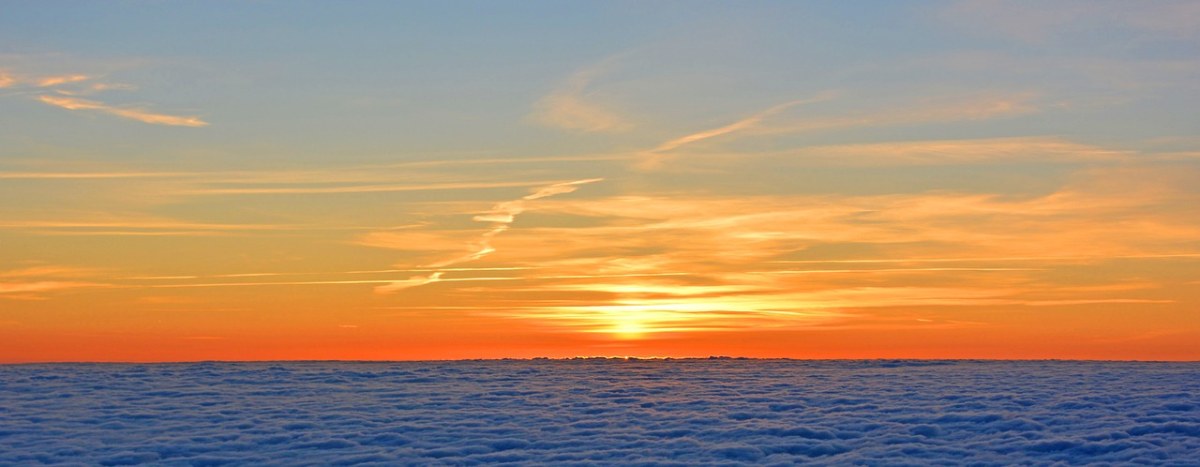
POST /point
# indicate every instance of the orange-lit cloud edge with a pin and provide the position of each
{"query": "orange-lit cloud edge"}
(716, 275)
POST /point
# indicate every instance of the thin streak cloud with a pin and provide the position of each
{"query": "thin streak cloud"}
(892, 270)
(414, 281)
(511, 160)
(16, 288)
(360, 188)
(140, 224)
(277, 274)
(500, 216)
(971, 108)
(734, 127)
(954, 152)
(32, 283)
(654, 158)
(86, 175)
(387, 283)
(140, 115)
(984, 259)
(51, 81)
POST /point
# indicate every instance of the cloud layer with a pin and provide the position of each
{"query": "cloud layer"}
(65, 91)
(616, 411)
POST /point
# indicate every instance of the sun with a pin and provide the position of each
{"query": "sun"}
(628, 326)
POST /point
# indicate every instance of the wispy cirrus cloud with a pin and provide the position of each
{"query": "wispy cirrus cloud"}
(991, 259)
(366, 178)
(10, 79)
(915, 112)
(12, 175)
(952, 152)
(34, 282)
(628, 310)
(500, 217)
(48, 271)
(503, 214)
(414, 281)
(655, 157)
(141, 227)
(740, 125)
(64, 90)
(921, 112)
(573, 107)
(132, 113)
(1071, 221)
(359, 188)
(34, 290)
(51, 81)
(683, 264)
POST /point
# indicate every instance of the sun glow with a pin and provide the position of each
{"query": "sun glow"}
(632, 318)
(627, 325)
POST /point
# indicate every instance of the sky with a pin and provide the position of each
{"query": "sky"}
(442, 180)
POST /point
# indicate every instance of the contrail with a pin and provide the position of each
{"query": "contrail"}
(500, 217)
(653, 158)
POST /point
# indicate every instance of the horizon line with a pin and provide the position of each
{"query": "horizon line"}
(597, 357)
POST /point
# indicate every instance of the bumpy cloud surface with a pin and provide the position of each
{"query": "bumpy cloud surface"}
(602, 411)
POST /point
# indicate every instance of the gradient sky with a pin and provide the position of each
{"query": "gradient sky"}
(439, 180)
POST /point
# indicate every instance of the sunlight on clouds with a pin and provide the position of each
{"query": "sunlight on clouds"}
(500, 217)
(140, 115)
(654, 158)
(765, 180)
(936, 152)
(51, 81)
(62, 90)
(764, 304)
(29, 289)
(48, 271)
(85, 175)
(740, 125)
(35, 282)
(358, 188)
(990, 223)
(414, 281)
(782, 308)
(723, 244)
(932, 152)
(572, 107)
(138, 227)
(916, 112)
(573, 112)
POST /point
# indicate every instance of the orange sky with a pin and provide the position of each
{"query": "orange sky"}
(683, 180)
